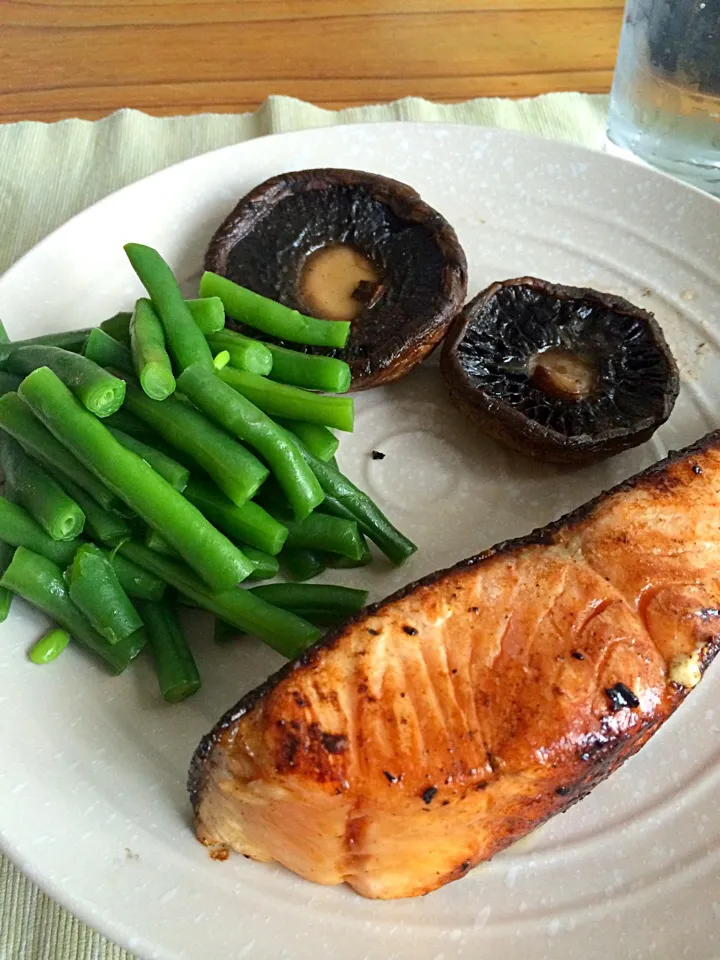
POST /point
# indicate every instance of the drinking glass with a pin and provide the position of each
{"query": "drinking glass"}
(665, 100)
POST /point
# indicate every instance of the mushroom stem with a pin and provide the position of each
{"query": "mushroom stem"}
(564, 374)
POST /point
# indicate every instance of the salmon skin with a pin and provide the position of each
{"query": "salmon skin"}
(446, 722)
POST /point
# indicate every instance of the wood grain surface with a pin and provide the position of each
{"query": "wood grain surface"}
(64, 58)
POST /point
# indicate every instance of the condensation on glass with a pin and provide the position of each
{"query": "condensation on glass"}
(665, 101)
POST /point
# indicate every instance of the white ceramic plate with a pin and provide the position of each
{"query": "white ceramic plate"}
(92, 779)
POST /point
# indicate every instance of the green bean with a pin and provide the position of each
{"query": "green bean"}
(208, 313)
(248, 523)
(9, 382)
(100, 524)
(49, 647)
(184, 338)
(42, 496)
(103, 350)
(266, 566)
(18, 528)
(243, 419)
(279, 400)
(17, 419)
(99, 391)
(338, 509)
(135, 580)
(40, 582)
(309, 370)
(153, 541)
(234, 469)
(337, 562)
(118, 327)
(272, 499)
(299, 596)
(271, 317)
(352, 501)
(225, 634)
(299, 563)
(203, 547)
(245, 353)
(221, 360)
(72, 340)
(95, 590)
(325, 533)
(175, 666)
(131, 425)
(175, 473)
(283, 631)
(150, 358)
(321, 442)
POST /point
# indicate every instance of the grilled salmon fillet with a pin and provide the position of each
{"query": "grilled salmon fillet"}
(448, 721)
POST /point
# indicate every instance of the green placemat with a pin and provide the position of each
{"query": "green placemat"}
(48, 172)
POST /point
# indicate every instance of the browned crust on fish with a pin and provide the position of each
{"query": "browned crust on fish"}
(653, 474)
(577, 738)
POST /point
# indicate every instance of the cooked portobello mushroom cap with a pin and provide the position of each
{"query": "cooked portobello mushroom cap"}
(563, 374)
(348, 245)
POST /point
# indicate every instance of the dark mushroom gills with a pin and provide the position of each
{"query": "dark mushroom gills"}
(563, 374)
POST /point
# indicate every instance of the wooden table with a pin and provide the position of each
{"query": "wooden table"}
(86, 58)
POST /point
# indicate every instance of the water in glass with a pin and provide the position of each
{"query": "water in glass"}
(665, 101)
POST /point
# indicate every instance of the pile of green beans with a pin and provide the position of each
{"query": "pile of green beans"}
(134, 481)
(234, 469)
(248, 423)
(162, 449)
